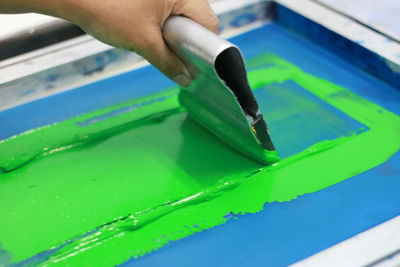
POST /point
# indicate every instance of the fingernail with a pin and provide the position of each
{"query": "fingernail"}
(182, 79)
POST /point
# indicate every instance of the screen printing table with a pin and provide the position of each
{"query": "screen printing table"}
(352, 223)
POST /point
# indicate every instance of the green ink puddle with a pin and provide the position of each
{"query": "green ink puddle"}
(141, 174)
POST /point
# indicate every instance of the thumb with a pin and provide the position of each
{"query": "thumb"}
(158, 54)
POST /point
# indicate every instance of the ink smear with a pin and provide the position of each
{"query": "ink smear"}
(123, 181)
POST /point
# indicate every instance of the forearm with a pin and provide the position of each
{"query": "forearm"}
(67, 9)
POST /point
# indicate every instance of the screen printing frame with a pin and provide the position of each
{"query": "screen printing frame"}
(83, 60)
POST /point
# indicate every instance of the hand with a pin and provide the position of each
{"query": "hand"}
(136, 25)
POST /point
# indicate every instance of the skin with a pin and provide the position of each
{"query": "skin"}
(134, 25)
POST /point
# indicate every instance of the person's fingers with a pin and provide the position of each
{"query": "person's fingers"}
(199, 11)
(154, 49)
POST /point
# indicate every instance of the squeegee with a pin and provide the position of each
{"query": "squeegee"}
(219, 97)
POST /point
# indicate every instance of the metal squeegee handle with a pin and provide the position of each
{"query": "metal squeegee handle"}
(220, 64)
(187, 38)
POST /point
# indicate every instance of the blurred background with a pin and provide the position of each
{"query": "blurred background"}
(25, 32)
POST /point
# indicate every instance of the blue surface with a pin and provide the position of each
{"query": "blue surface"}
(298, 119)
(82, 100)
(284, 232)
(347, 49)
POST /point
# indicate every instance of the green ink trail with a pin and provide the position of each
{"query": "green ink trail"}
(123, 181)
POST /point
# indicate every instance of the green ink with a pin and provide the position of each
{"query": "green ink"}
(147, 175)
